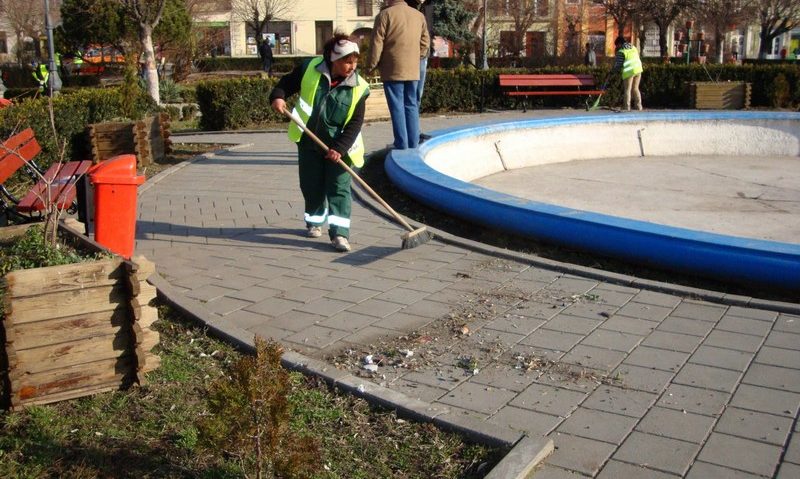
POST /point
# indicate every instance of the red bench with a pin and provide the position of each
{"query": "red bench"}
(527, 85)
(56, 185)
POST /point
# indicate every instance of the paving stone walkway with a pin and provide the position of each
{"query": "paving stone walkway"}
(629, 382)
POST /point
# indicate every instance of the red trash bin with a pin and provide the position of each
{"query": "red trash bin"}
(115, 182)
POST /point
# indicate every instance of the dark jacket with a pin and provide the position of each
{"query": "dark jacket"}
(329, 110)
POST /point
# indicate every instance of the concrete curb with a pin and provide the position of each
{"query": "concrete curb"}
(525, 452)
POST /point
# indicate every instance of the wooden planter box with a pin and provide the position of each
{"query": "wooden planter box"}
(76, 330)
(719, 95)
(148, 139)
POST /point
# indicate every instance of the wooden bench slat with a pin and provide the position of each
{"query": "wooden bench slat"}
(16, 151)
(62, 190)
(540, 93)
(525, 85)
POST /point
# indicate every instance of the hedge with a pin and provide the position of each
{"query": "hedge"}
(232, 104)
(72, 114)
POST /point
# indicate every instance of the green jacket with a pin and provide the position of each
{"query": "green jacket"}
(332, 109)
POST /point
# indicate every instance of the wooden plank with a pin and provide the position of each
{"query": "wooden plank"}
(74, 381)
(67, 303)
(72, 328)
(54, 279)
(12, 232)
(55, 357)
(546, 93)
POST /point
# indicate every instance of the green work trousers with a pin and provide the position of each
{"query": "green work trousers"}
(326, 191)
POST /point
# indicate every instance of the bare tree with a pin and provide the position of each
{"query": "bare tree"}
(776, 18)
(26, 18)
(146, 14)
(257, 14)
(663, 13)
(622, 11)
(721, 15)
(522, 14)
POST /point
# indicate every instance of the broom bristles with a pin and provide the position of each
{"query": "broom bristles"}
(419, 236)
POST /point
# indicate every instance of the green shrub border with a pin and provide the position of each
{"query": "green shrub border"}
(243, 103)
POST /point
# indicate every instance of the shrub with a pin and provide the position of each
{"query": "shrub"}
(232, 104)
(169, 91)
(779, 92)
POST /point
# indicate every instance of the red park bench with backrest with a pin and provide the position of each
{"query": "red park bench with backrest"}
(18, 152)
(526, 85)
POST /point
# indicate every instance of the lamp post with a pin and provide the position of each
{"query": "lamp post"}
(53, 78)
(689, 25)
(483, 39)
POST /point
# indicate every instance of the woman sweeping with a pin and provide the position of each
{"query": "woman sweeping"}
(331, 104)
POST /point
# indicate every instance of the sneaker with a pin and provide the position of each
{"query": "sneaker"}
(314, 232)
(424, 137)
(340, 243)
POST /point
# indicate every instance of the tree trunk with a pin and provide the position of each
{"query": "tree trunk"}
(719, 44)
(150, 72)
(662, 41)
(765, 44)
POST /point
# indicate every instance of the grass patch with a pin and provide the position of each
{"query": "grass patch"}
(154, 430)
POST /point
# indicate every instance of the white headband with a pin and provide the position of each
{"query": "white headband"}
(342, 48)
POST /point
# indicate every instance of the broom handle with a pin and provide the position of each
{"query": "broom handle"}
(341, 163)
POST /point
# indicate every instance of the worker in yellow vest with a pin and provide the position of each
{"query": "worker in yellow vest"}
(629, 63)
(41, 75)
(332, 103)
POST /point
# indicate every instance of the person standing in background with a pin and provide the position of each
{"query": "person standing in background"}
(266, 56)
(590, 57)
(399, 41)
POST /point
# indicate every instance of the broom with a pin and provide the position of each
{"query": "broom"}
(602, 90)
(414, 237)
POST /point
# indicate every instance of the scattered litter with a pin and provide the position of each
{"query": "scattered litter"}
(361, 388)
(371, 367)
(407, 353)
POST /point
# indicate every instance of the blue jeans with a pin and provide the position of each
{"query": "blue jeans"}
(401, 96)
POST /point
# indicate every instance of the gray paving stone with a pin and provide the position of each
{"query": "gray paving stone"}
(295, 320)
(549, 339)
(400, 273)
(600, 425)
(788, 471)
(266, 331)
(495, 340)
(676, 424)
(694, 327)
(773, 377)
(620, 400)
(630, 325)
(273, 306)
(572, 324)
(642, 378)
(616, 340)
(619, 470)
(696, 400)
(253, 294)
(547, 471)
(369, 335)
(585, 456)
(786, 358)
(773, 401)
(742, 454)
(787, 323)
(316, 336)
(477, 397)
(502, 376)
(283, 282)
(429, 308)
(208, 292)
(672, 341)
(656, 358)
(512, 323)
(754, 425)
(373, 307)
(597, 310)
(430, 285)
(737, 341)
(656, 298)
(704, 470)
(784, 340)
(443, 378)
(530, 422)
(352, 294)
(649, 312)
(721, 358)
(702, 311)
(736, 324)
(657, 452)
(303, 294)
(548, 400)
(401, 321)
(224, 305)
(754, 313)
(403, 296)
(419, 391)
(348, 321)
(708, 377)
(612, 297)
(541, 310)
(596, 358)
